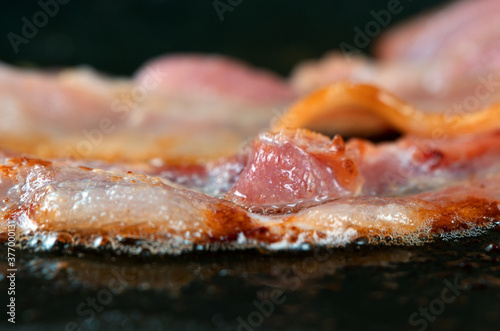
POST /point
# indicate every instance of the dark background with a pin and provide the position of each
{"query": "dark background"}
(118, 36)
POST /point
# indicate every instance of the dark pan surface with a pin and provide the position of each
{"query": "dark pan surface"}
(353, 288)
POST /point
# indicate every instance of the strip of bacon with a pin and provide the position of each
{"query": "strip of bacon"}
(214, 76)
(95, 208)
(459, 25)
(356, 109)
(444, 60)
(180, 109)
(55, 202)
(290, 170)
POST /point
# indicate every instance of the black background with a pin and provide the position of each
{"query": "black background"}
(117, 36)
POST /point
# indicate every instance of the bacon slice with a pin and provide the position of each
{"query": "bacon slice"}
(437, 34)
(58, 202)
(180, 109)
(444, 60)
(291, 169)
(96, 208)
(214, 76)
(360, 109)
